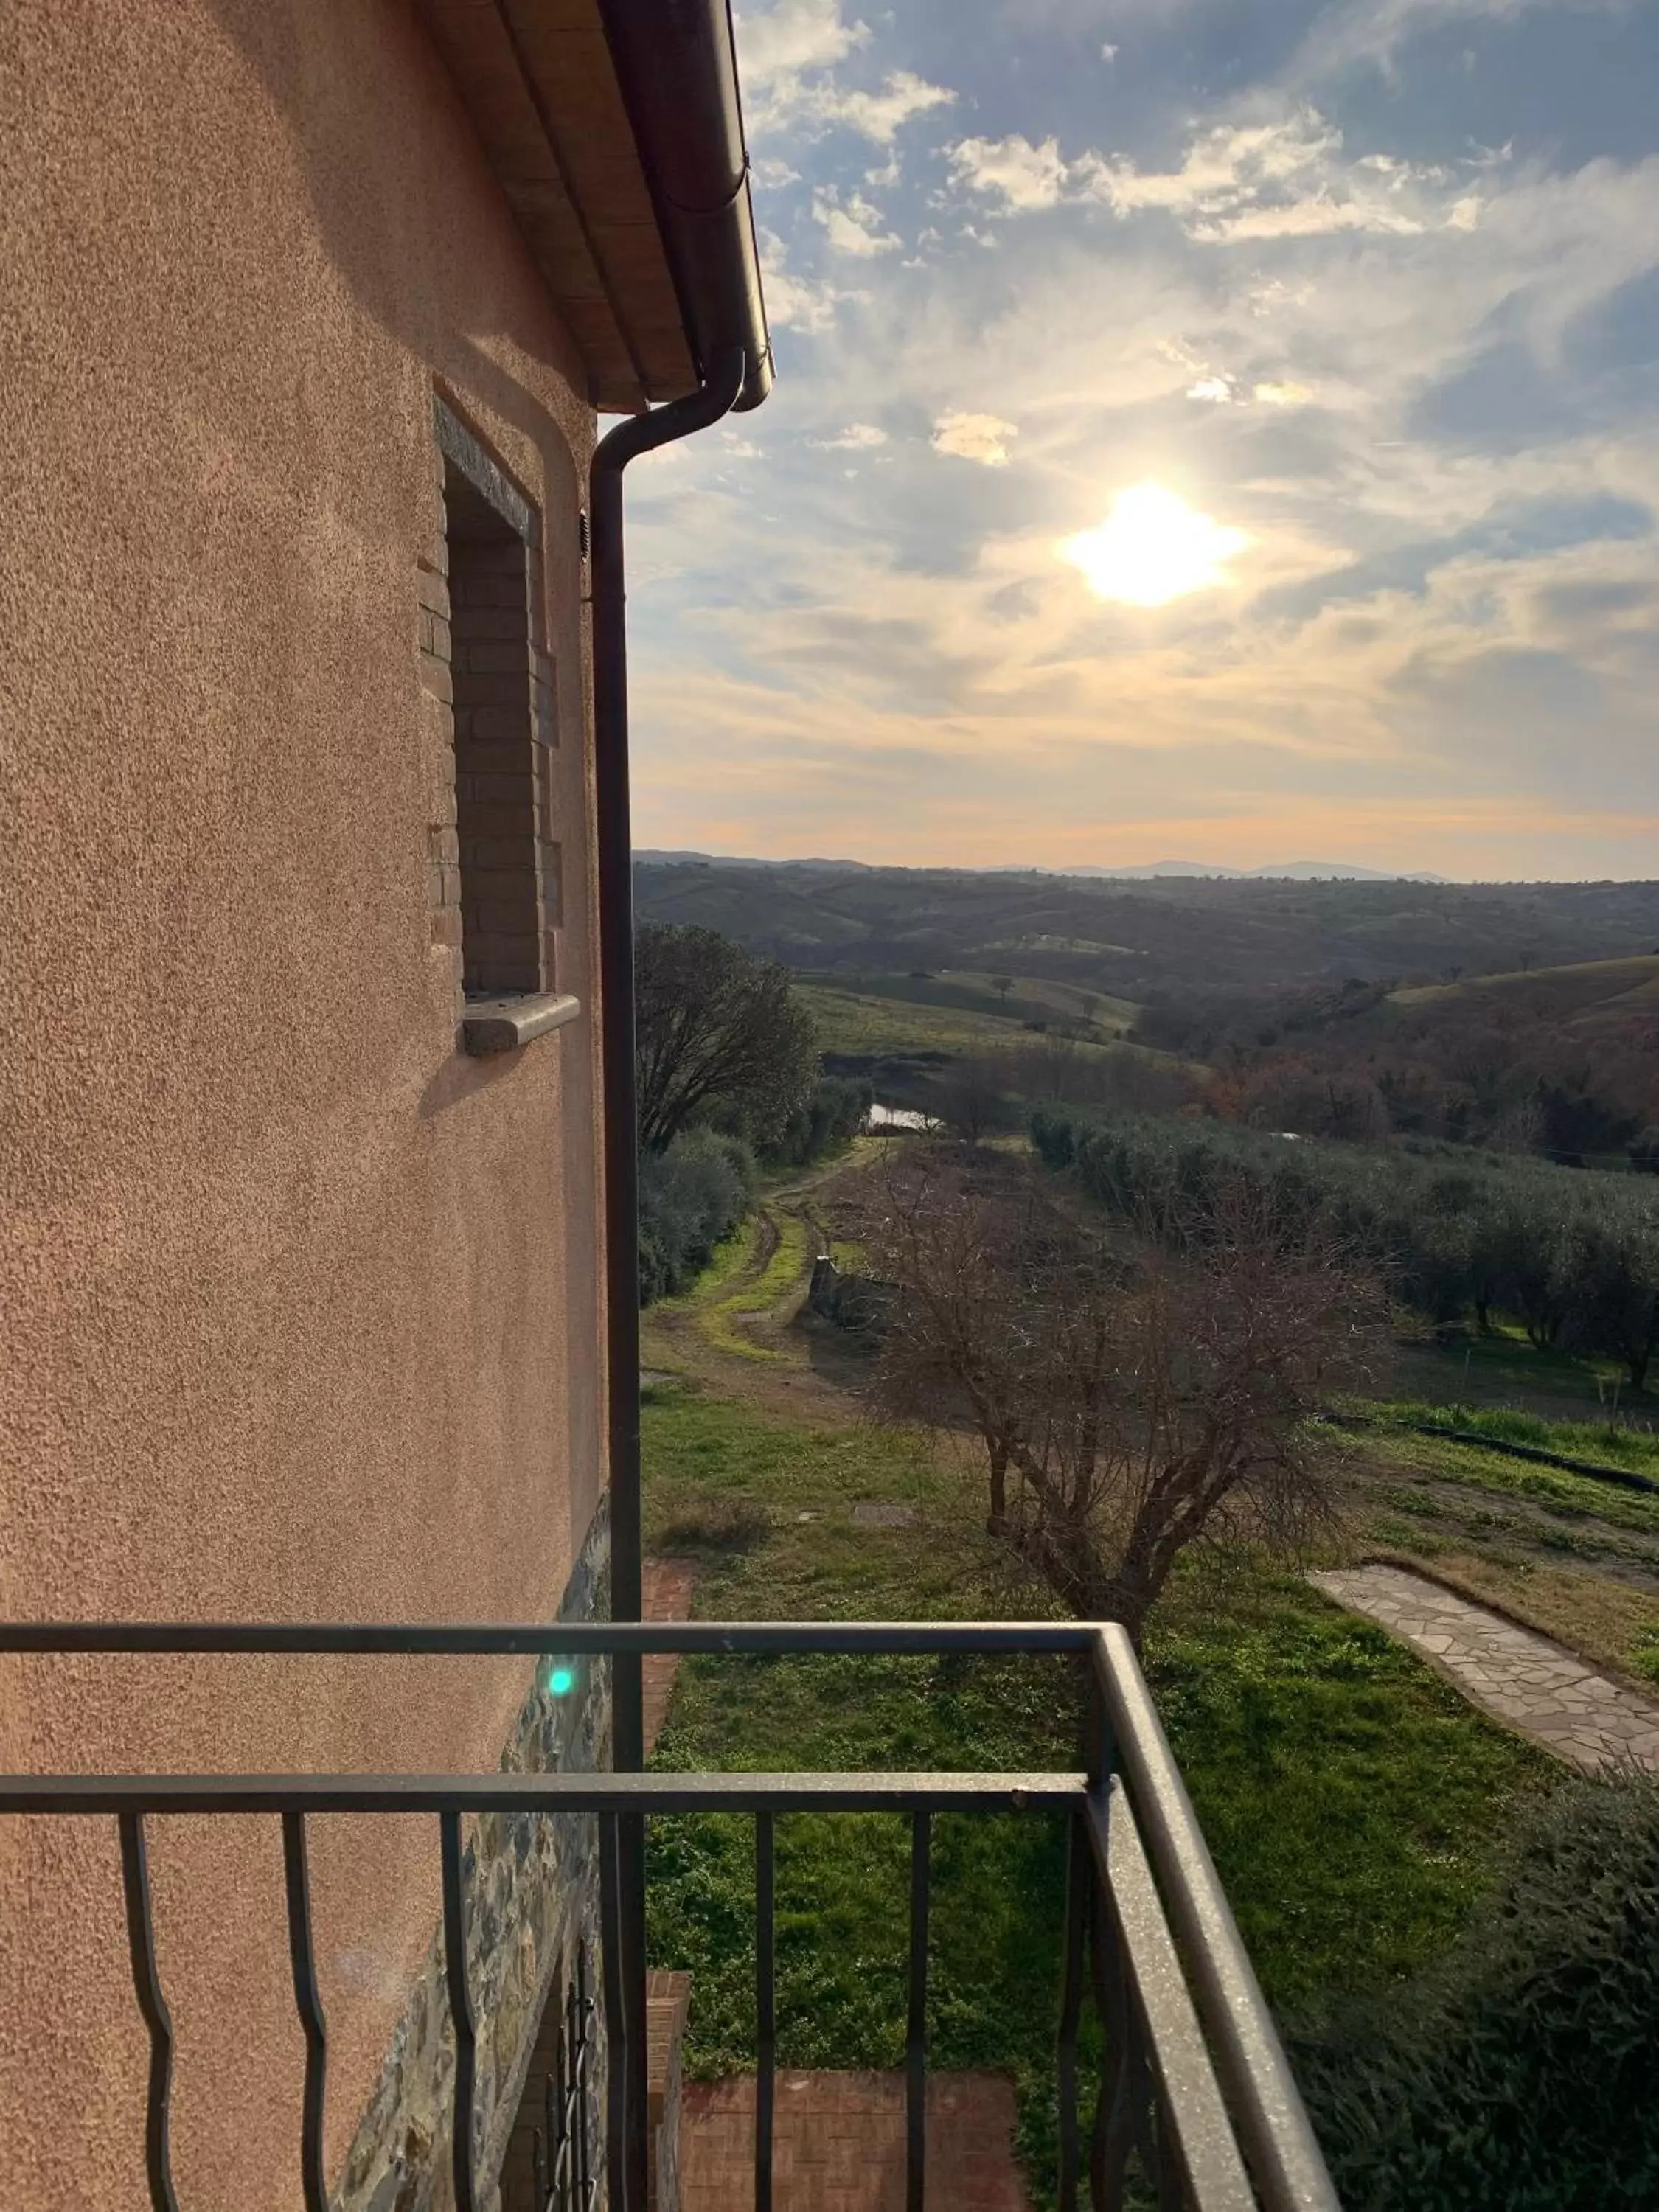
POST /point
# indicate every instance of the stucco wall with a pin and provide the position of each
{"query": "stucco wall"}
(299, 1307)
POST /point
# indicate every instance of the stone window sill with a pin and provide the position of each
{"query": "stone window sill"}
(491, 1026)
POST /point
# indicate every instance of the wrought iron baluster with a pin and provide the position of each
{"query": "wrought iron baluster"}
(586, 2183)
(1109, 2140)
(555, 2112)
(916, 2040)
(460, 2007)
(309, 2005)
(1079, 1872)
(616, 2017)
(766, 2024)
(146, 1982)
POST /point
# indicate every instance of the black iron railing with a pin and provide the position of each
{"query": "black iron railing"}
(561, 2155)
(1194, 2082)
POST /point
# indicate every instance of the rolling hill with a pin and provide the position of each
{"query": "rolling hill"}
(1137, 939)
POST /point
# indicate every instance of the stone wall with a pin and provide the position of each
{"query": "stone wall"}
(532, 1895)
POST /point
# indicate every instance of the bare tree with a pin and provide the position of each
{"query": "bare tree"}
(970, 1097)
(1132, 1395)
(714, 1023)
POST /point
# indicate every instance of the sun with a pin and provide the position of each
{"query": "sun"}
(1152, 548)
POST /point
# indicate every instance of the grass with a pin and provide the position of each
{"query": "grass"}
(860, 1024)
(1603, 1443)
(762, 1292)
(1348, 1794)
(1503, 1368)
(1571, 1496)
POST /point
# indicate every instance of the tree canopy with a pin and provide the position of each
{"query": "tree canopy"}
(716, 1026)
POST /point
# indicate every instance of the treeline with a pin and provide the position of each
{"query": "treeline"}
(728, 1075)
(1460, 1234)
(1518, 1074)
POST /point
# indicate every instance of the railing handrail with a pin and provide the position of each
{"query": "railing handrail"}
(1159, 1864)
(876, 1791)
(1290, 2168)
(441, 1639)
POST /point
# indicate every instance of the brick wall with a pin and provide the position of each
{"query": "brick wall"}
(494, 862)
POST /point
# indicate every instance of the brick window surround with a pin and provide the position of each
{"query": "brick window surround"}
(494, 863)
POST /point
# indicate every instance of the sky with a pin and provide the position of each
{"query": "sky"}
(1208, 429)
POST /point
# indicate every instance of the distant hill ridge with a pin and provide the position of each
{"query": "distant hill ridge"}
(1296, 872)
(1136, 937)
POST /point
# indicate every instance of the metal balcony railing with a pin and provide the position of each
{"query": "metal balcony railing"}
(1194, 2080)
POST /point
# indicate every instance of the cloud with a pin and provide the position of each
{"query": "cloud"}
(856, 438)
(1108, 52)
(1215, 388)
(795, 302)
(1287, 394)
(788, 58)
(853, 226)
(880, 114)
(777, 46)
(1012, 170)
(983, 438)
(1235, 182)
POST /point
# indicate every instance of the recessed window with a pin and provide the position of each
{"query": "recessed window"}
(502, 694)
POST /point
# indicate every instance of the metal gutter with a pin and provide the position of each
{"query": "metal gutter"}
(676, 63)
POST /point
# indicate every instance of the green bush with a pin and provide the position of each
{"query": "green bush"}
(831, 1116)
(1516, 2075)
(692, 1196)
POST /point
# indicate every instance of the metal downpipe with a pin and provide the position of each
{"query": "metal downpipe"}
(638, 434)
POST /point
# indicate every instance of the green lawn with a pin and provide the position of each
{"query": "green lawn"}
(1349, 1796)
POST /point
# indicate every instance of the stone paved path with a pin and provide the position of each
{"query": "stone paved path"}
(1521, 1677)
(838, 2142)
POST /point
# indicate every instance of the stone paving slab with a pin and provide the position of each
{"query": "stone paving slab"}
(1521, 1677)
(838, 2144)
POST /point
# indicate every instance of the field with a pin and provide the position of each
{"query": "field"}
(1586, 996)
(1349, 1796)
(862, 1023)
(1351, 1799)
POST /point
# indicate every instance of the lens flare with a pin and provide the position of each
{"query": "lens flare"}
(1153, 548)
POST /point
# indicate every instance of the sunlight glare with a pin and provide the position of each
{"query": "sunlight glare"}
(1152, 548)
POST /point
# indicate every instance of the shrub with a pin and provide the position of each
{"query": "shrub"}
(691, 1195)
(831, 1115)
(1516, 2075)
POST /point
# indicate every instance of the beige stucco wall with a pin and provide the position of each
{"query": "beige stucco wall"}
(299, 1307)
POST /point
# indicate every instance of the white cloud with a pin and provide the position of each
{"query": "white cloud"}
(879, 115)
(1215, 388)
(1287, 394)
(983, 438)
(790, 36)
(786, 59)
(1108, 52)
(1236, 182)
(772, 175)
(853, 226)
(795, 303)
(856, 438)
(1012, 170)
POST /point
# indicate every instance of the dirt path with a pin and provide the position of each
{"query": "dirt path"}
(1523, 1680)
(741, 1330)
